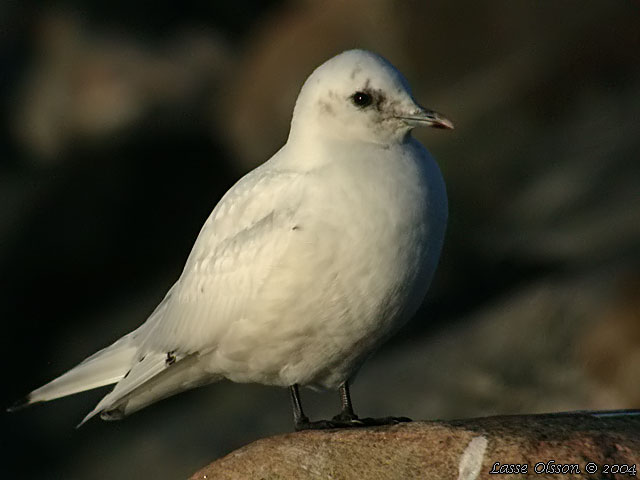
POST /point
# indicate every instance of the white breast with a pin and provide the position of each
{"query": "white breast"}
(362, 247)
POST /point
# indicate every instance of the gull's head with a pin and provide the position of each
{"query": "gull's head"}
(358, 95)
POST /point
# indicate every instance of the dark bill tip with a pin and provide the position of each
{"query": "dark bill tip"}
(428, 118)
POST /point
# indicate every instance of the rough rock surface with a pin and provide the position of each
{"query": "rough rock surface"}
(462, 449)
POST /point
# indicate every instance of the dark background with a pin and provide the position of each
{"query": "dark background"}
(123, 125)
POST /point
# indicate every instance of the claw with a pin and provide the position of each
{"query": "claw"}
(340, 421)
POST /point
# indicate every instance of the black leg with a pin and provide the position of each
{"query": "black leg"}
(346, 419)
(300, 420)
(345, 400)
(299, 417)
(346, 415)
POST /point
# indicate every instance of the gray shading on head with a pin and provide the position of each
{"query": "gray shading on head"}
(356, 94)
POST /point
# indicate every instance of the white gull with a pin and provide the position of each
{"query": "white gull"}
(307, 264)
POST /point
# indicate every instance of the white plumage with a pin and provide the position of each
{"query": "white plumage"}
(307, 264)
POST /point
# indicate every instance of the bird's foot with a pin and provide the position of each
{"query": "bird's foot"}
(342, 420)
(317, 425)
(348, 421)
(372, 422)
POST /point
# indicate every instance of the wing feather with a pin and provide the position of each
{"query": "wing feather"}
(246, 235)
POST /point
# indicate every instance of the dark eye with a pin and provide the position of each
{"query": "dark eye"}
(361, 99)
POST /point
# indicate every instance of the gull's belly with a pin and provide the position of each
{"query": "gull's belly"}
(358, 266)
(324, 311)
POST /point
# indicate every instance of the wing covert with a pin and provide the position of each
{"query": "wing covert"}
(247, 234)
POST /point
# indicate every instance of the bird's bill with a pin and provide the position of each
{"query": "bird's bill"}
(427, 118)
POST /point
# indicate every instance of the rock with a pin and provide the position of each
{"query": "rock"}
(544, 446)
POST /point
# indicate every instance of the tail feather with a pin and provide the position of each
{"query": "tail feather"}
(152, 379)
(105, 367)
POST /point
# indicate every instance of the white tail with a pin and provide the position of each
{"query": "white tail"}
(105, 367)
(151, 379)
